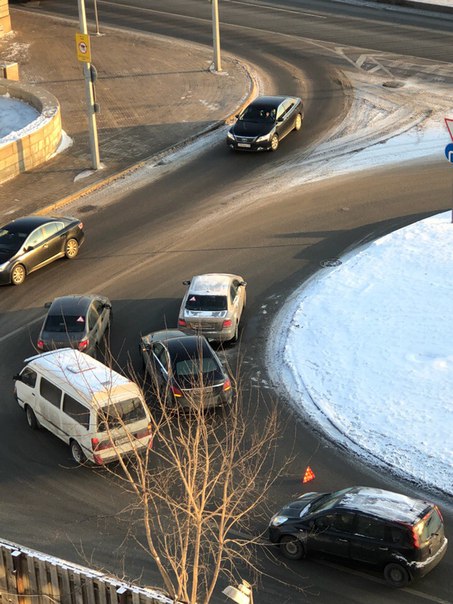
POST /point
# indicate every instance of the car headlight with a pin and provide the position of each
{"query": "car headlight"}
(3, 266)
(264, 138)
(278, 520)
(230, 136)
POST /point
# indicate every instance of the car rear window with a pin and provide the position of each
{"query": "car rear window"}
(208, 303)
(65, 323)
(429, 526)
(118, 414)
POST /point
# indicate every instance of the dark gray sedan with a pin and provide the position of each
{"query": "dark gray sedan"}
(29, 243)
(265, 122)
(80, 322)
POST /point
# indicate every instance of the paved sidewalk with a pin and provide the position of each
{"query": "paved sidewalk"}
(153, 93)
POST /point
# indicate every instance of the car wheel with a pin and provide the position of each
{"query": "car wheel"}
(274, 142)
(76, 452)
(291, 547)
(18, 274)
(31, 418)
(298, 122)
(396, 575)
(71, 248)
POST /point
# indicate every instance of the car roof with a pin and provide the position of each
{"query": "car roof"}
(386, 505)
(71, 305)
(28, 223)
(85, 375)
(214, 284)
(187, 346)
(271, 101)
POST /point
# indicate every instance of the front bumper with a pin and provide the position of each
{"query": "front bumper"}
(253, 146)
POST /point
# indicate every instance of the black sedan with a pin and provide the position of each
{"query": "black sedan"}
(185, 369)
(29, 243)
(81, 322)
(262, 124)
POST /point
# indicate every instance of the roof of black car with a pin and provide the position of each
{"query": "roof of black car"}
(28, 223)
(271, 101)
(187, 346)
(383, 504)
(71, 305)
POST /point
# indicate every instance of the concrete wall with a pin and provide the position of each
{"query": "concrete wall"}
(35, 147)
(5, 21)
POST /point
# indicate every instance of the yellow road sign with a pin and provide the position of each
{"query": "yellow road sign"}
(83, 48)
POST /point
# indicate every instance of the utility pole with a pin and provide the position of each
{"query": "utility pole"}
(89, 94)
(216, 35)
(96, 18)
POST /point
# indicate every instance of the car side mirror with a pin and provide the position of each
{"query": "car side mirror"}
(47, 304)
(280, 120)
(186, 282)
(243, 283)
(17, 377)
(29, 248)
(109, 306)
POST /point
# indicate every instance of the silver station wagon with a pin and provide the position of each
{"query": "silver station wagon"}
(213, 306)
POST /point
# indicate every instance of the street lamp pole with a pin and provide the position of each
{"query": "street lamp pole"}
(216, 35)
(96, 18)
(89, 94)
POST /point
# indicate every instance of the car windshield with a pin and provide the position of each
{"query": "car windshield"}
(327, 501)
(11, 241)
(257, 113)
(118, 415)
(65, 323)
(209, 303)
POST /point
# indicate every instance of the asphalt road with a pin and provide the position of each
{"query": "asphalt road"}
(204, 216)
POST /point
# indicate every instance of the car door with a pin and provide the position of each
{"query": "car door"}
(35, 251)
(53, 242)
(332, 532)
(284, 124)
(370, 543)
(159, 365)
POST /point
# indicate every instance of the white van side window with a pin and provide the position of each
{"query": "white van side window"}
(28, 377)
(77, 411)
(50, 392)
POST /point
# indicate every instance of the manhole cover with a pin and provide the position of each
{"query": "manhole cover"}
(330, 262)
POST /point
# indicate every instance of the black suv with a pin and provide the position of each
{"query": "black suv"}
(402, 536)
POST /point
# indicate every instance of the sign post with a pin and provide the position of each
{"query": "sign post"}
(84, 56)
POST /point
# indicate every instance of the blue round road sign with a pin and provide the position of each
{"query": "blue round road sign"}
(449, 152)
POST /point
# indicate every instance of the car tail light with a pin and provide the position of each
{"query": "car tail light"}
(83, 344)
(40, 345)
(439, 513)
(182, 323)
(80, 225)
(416, 535)
(176, 391)
(101, 445)
(227, 323)
(227, 385)
(143, 433)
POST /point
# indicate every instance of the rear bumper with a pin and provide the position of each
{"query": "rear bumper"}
(420, 569)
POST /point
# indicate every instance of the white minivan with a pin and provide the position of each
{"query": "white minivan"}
(99, 413)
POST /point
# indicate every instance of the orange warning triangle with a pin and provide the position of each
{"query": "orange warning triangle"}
(309, 475)
(449, 124)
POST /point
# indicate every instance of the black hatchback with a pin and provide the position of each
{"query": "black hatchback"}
(265, 122)
(29, 243)
(401, 536)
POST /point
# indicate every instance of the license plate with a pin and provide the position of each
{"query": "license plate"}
(121, 441)
(246, 145)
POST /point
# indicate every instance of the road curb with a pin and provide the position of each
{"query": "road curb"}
(425, 6)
